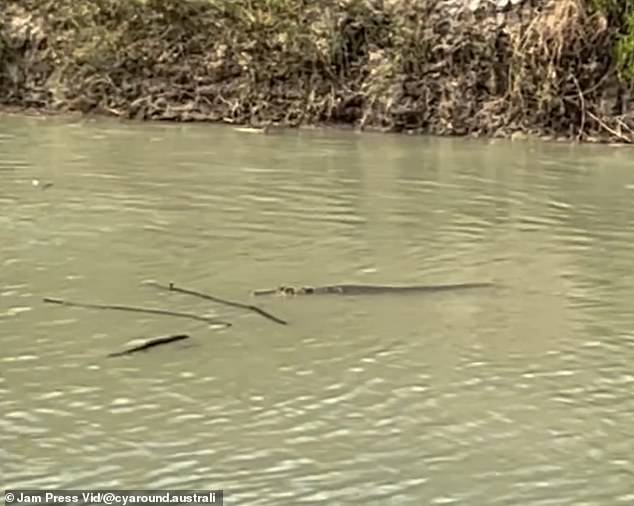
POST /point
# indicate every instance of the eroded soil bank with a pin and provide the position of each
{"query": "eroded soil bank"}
(557, 68)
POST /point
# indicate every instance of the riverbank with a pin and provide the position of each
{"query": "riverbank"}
(553, 68)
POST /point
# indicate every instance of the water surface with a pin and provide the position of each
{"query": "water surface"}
(517, 395)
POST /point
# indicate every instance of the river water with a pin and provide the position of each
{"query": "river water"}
(519, 394)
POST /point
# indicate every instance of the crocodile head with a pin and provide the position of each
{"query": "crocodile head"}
(286, 290)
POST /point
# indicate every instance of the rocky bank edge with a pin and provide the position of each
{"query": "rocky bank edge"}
(545, 67)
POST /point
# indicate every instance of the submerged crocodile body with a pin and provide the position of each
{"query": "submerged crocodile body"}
(364, 289)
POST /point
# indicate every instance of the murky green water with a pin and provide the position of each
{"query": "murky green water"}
(521, 395)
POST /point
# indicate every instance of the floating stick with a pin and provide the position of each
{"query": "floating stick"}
(172, 288)
(150, 344)
(163, 312)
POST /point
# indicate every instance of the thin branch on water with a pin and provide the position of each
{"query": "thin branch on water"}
(158, 341)
(249, 307)
(132, 309)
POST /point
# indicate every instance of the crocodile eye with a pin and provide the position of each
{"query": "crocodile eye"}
(309, 289)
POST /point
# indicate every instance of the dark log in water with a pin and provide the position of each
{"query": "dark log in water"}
(249, 307)
(133, 309)
(152, 343)
(365, 289)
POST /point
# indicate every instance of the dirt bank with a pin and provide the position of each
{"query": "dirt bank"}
(544, 67)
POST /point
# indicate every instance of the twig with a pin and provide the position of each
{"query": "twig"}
(164, 312)
(150, 344)
(622, 124)
(611, 130)
(583, 107)
(205, 296)
(603, 125)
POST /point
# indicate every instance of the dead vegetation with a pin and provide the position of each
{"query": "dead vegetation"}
(546, 68)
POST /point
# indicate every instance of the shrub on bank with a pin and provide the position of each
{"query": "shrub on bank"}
(548, 67)
(620, 14)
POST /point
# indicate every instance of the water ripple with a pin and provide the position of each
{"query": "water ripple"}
(524, 391)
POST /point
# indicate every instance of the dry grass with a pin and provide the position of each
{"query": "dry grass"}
(401, 65)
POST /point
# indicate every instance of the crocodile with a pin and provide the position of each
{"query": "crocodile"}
(286, 290)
